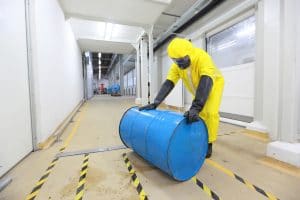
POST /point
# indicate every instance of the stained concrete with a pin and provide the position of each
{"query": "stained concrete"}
(107, 177)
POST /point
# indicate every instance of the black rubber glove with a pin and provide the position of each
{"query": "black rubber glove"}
(192, 115)
(165, 89)
(202, 92)
(150, 106)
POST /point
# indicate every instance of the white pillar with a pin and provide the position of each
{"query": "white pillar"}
(289, 72)
(153, 73)
(287, 146)
(121, 75)
(267, 68)
(138, 99)
(144, 71)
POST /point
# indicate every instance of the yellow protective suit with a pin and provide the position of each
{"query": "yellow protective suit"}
(201, 64)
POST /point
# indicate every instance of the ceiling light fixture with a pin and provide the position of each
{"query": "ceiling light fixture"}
(108, 31)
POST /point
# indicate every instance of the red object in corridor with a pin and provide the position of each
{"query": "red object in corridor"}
(101, 88)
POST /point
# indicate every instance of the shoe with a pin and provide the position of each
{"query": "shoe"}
(209, 150)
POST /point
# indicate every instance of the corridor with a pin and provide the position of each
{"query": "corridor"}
(96, 125)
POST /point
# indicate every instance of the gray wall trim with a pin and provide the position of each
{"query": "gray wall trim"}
(237, 117)
(30, 75)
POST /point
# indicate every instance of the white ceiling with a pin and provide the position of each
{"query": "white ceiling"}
(176, 8)
(129, 12)
(105, 46)
(87, 29)
(112, 23)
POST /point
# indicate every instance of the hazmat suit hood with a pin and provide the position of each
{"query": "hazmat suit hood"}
(179, 48)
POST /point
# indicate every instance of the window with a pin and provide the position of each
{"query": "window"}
(234, 45)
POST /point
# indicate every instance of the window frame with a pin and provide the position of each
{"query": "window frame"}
(229, 23)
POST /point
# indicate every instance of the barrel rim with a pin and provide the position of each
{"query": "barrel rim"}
(121, 122)
(168, 161)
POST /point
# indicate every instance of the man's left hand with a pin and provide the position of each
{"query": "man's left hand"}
(192, 116)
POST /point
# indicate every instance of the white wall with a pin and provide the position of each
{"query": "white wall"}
(57, 67)
(298, 64)
(15, 128)
(238, 95)
(175, 98)
(89, 77)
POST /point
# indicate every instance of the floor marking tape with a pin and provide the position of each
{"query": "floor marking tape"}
(241, 180)
(82, 179)
(34, 192)
(206, 189)
(137, 184)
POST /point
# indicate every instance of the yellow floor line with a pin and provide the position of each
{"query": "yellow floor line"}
(280, 166)
(256, 135)
(240, 179)
(206, 189)
(75, 127)
(38, 186)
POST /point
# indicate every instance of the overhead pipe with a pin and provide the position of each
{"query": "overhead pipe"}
(198, 10)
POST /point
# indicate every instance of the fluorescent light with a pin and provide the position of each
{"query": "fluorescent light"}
(162, 1)
(246, 31)
(226, 45)
(108, 31)
(99, 55)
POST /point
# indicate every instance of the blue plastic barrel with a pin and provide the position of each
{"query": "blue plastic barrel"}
(115, 88)
(164, 139)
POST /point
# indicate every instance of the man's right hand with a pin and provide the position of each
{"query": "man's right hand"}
(162, 94)
(148, 107)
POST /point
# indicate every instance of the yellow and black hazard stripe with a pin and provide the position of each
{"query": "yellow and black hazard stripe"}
(137, 184)
(242, 180)
(82, 179)
(44, 178)
(206, 189)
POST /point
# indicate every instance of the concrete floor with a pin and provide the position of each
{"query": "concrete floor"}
(96, 125)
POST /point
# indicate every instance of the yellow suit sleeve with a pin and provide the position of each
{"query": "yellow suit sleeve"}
(208, 68)
(173, 74)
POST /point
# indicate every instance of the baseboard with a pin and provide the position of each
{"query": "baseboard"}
(60, 129)
(285, 152)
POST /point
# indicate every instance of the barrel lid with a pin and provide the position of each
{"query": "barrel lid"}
(187, 149)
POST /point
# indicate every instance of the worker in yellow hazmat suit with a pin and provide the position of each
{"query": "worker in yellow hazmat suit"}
(202, 79)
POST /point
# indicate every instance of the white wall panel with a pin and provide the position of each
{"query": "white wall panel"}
(238, 95)
(15, 129)
(175, 98)
(89, 80)
(57, 66)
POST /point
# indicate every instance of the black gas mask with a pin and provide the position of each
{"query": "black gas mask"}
(182, 63)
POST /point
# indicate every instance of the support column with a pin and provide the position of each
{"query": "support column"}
(144, 71)
(287, 146)
(153, 71)
(138, 99)
(257, 124)
(121, 75)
